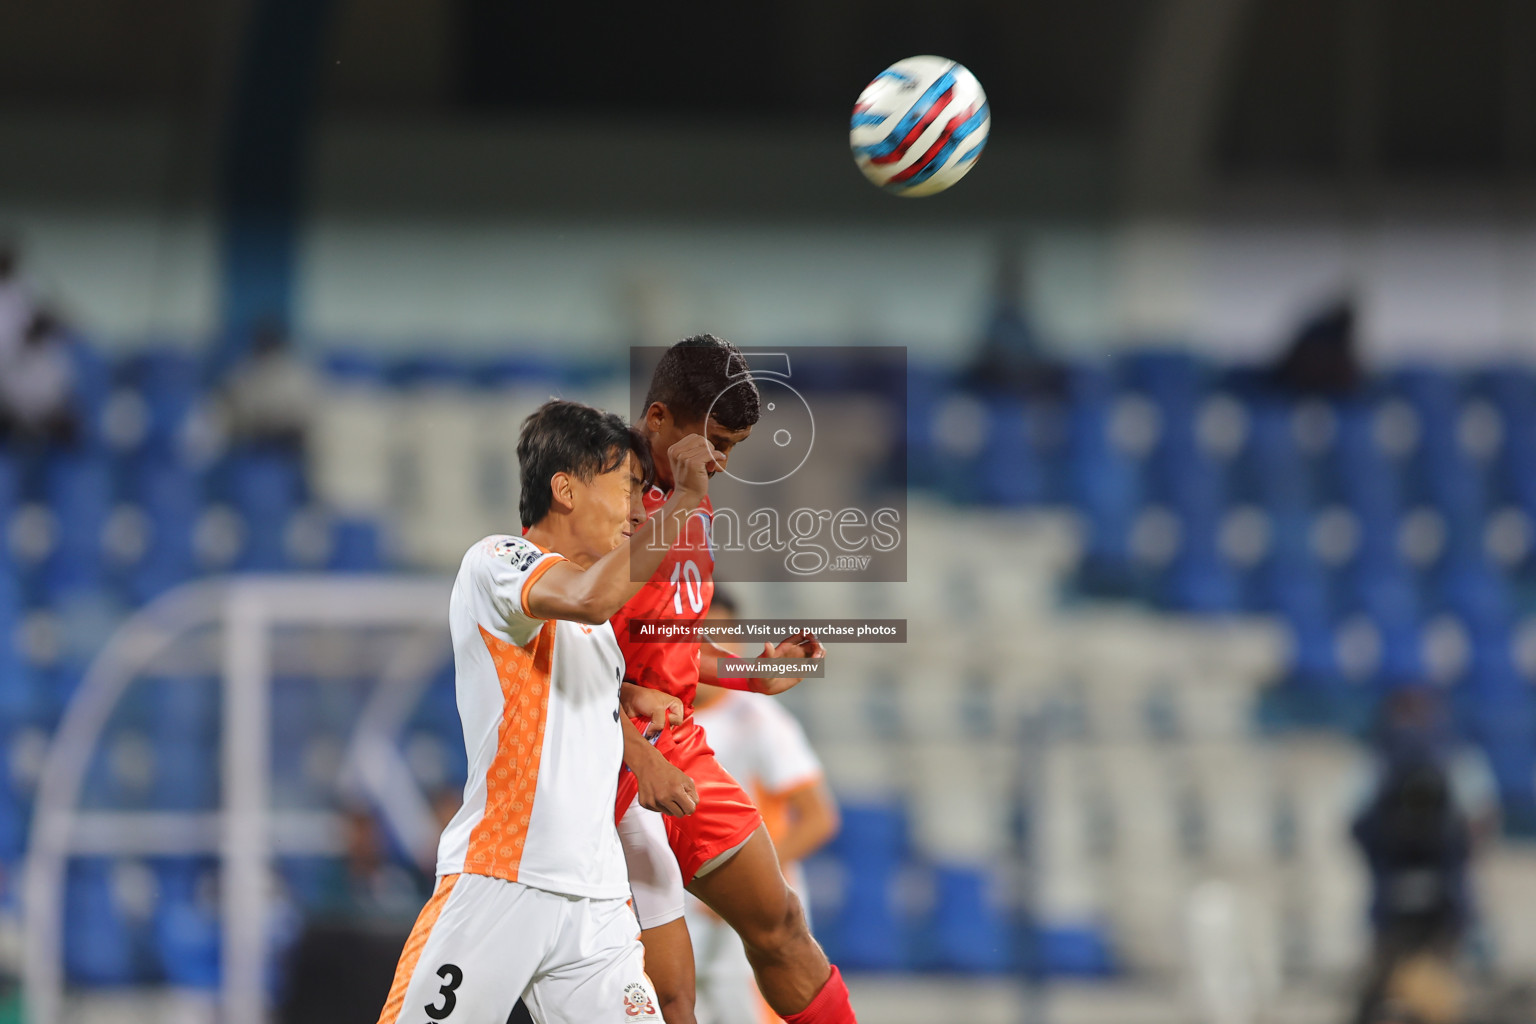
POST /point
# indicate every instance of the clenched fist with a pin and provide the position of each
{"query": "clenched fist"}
(692, 458)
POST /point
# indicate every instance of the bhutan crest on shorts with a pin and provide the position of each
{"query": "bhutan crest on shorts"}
(638, 1004)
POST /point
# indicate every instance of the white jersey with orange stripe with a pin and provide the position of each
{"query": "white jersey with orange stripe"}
(539, 704)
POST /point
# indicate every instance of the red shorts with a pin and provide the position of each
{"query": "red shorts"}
(725, 815)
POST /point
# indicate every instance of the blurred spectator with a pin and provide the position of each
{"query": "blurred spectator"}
(270, 397)
(341, 967)
(366, 885)
(1430, 803)
(1322, 358)
(16, 305)
(37, 386)
(1010, 360)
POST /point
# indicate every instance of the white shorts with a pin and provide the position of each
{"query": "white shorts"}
(481, 944)
(654, 877)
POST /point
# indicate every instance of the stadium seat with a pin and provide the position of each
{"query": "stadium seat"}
(1009, 468)
(187, 775)
(169, 493)
(529, 370)
(15, 812)
(432, 371)
(1271, 470)
(266, 488)
(15, 696)
(186, 925)
(79, 490)
(10, 493)
(865, 931)
(969, 931)
(185, 708)
(93, 386)
(356, 546)
(169, 382)
(98, 945)
(1102, 483)
(351, 366)
(1073, 951)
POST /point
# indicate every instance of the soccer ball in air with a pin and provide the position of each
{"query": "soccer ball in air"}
(919, 126)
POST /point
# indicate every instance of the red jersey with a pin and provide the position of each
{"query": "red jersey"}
(680, 591)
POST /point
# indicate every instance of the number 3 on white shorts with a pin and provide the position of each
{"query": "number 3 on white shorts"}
(452, 979)
(692, 581)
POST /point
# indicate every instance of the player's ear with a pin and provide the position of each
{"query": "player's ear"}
(562, 490)
(657, 416)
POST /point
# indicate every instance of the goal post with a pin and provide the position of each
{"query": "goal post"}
(240, 622)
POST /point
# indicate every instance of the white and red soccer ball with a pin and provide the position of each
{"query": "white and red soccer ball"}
(919, 126)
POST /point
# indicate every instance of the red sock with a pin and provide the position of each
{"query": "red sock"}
(831, 1005)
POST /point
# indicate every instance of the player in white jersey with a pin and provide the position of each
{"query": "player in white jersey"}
(532, 894)
(766, 750)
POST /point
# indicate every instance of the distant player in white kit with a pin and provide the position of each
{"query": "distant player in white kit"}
(532, 893)
(766, 750)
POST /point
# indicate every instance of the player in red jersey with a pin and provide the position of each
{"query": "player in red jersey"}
(721, 851)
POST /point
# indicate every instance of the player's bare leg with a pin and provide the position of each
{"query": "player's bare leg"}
(669, 965)
(749, 893)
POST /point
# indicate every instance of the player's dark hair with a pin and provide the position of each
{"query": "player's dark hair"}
(569, 437)
(724, 600)
(695, 377)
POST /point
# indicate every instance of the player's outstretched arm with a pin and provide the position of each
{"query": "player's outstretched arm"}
(595, 595)
(802, 646)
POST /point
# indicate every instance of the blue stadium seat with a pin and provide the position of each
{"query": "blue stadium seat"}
(15, 691)
(52, 688)
(1080, 951)
(1378, 586)
(1173, 379)
(356, 546)
(186, 927)
(527, 371)
(187, 775)
(1009, 469)
(267, 488)
(865, 932)
(1199, 579)
(293, 707)
(1101, 482)
(15, 813)
(170, 383)
(93, 386)
(98, 944)
(185, 709)
(169, 493)
(350, 366)
(1361, 475)
(10, 493)
(1512, 390)
(79, 490)
(439, 709)
(1271, 470)
(970, 933)
(1443, 473)
(1300, 596)
(428, 370)
(1071, 951)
